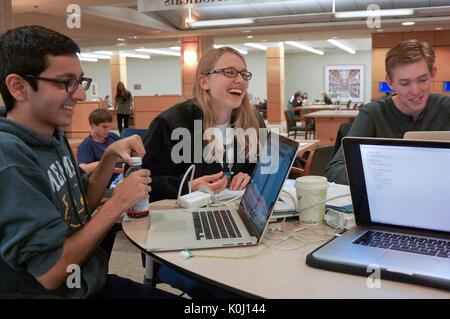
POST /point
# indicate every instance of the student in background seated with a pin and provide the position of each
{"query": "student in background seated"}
(91, 150)
(326, 98)
(108, 102)
(295, 100)
(304, 98)
(410, 71)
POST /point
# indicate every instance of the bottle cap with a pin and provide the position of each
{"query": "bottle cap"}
(137, 160)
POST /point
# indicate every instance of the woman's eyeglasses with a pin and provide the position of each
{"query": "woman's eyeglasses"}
(232, 73)
(71, 85)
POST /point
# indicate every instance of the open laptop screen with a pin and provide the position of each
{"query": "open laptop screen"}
(406, 183)
(267, 180)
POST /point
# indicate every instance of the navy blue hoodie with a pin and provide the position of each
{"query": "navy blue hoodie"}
(41, 205)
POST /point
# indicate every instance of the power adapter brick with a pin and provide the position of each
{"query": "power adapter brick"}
(194, 200)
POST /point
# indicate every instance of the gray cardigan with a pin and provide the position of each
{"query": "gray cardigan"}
(383, 119)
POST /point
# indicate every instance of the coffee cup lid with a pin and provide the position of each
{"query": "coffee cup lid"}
(311, 182)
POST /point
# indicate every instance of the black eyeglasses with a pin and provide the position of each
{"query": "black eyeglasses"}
(71, 85)
(232, 73)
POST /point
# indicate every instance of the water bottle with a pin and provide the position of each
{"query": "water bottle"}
(140, 209)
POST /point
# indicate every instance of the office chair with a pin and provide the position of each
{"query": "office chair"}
(343, 130)
(262, 108)
(316, 162)
(320, 158)
(293, 128)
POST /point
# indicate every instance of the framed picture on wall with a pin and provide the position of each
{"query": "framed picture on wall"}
(345, 82)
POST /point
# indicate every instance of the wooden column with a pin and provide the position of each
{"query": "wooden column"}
(5, 21)
(275, 84)
(199, 45)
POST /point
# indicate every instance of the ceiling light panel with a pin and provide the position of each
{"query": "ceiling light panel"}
(157, 51)
(304, 47)
(371, 13)
(220, 22)
(342, 46)
(256, 46)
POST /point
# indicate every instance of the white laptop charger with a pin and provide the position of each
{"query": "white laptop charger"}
(339, 220)
(204, 196)
(196, 199)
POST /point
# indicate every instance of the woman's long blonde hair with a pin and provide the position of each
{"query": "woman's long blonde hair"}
(242, 117)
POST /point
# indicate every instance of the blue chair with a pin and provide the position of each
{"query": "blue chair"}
(142, 132)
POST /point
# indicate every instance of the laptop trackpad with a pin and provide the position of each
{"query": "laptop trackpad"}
(407, 263)
(171, 226)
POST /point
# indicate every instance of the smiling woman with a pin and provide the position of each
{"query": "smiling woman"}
(219, 102)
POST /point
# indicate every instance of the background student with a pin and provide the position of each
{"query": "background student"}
(92, 148)
(123, 104)
(295, 100)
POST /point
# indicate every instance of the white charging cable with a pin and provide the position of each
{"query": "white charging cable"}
(291, 235)
(180, 188)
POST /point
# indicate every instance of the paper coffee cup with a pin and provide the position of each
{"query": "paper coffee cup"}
(311, 195)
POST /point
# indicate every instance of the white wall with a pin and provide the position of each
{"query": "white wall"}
(256, 63)
(99, 72)
(306, 71)
(161, 75)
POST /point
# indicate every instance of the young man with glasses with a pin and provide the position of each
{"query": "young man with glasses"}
(49, 242)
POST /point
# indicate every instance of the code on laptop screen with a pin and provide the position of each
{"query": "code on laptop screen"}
(407, 185)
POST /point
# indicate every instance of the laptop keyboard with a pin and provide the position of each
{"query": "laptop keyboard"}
(406, 243)
(215, 224)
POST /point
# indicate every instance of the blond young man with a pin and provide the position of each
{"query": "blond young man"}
(410, 71)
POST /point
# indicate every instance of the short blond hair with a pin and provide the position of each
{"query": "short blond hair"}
(407, 52)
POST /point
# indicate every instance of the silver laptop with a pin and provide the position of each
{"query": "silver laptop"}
(401, 201)
(223, 227)
(428, 135)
